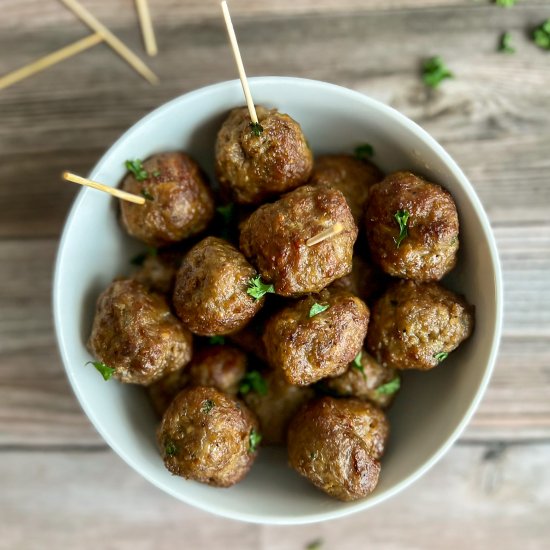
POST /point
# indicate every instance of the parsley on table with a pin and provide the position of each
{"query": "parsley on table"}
(207, 406)
(170, 448)
(391, 387)
(505, 3)
(402, 218)
(257, 288)
(136, 167)
(317, 308)
(253, 381)
(104, 370)
(506, 43)
(256, 128)
(541, 35)
(364, 152)
(441, 356)
(254, 440)
(434, 71)
(358, 365)
(217, 340)
(147, 195)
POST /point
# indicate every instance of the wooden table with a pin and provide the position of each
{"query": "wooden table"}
(60, 485)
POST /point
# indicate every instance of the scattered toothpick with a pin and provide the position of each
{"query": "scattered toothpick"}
(50, 59)
(128, 55)
(325, 234)
(130, 197)
(147, 27)
(240, 67)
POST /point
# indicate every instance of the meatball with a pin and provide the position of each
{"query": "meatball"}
(179, 201)
(252, 166)
(337, 444)
(208, 436)
(276, 408)
(412, 227)
(415, 325)
(307, 346)
(274, 239)
(221, 367)
(158, 270)
(350, 175)
(365, 378)
(135, 333)
(210, 295)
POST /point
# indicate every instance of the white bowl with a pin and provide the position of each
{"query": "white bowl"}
(433, 407)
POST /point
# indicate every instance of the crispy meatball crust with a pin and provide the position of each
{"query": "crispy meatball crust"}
(210, 295)
(252, 168)
(350, 175)
(274, 239)
(364, 383)
(337, 444)
(306, 348)
(414, 322)
(135, 333)
(429, 250)
(275, 409)
(182, 203)
(205, 435)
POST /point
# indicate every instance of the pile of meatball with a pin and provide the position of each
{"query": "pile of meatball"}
(244, 335)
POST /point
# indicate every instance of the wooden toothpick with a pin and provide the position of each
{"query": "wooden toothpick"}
(126, 53)
(147, 27)
(130, 197)
(239, 61)
(50, 59)
(326, 234)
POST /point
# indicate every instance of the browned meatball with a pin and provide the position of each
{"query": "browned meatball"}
(210, 295)
(427, 251)
(350, 175)
(415, 325)
(365, 378)
(250, 167)
(179, 201)
(276, 407)
(337, 444)
(135, 334)
(306, 346)
(274, 239)
(158, 270)
(208, 436)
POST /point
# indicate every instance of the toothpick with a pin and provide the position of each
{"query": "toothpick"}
(239, 61)
(147, 27)
(128, 55)
(50, 59)
(326, 234)
(130, 197)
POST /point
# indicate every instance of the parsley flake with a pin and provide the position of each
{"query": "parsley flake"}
(434, 71)
(364, 152)
(317, 308)
(254, 440)
(358, 365)
(170, 448)
(315, 545)
(256, 128)
(506, 43)
(147, 195)
(207, 406)
(541, 35)
(136, 167)
(402, 218)
(138, 259)
(505, 3)
(391, 387)
(441, 356)
(217, 340)
(257, 288)
(253, 381)
(156, 173)
(105, 370)
(226, 212)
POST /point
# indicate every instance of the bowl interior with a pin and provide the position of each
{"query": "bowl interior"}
(432, 407)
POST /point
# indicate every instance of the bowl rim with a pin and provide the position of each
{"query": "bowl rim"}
(421, 134)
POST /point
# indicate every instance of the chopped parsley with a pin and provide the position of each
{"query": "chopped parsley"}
(358, 365)
(315, 545)
(105, 370)
(136, 167)
(253, 381)
(391, 387)
(207, 406)
(506, 43)
(364, 152)
(217, 340)
(170, 448)
(138, 259)
(257, 288)
(147, 195)
(505, 3)
(541, 35)
(226, 212)
(256, 128)
(254, 440)
(156, 173)
(317, 308)
(441, 356)
(434, 71)
(402, 218)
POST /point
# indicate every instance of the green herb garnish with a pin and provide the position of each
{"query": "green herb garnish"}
(105, 370)
(257, 288)
(136, 167)
(506, 43)
(505, 3)
(156, 173)
(364, 152)
(317, 308)
(226, 212)
(434, 71)
(315, 545)
(402, 218)
(391, 387)
(170, 449)
(147, 195)
(256, 128)
(441, 356)
(217, 340)
(253, 381)
(541, 35)
(358, 365)
(138, 259)
(207, 406)
(254, 440)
